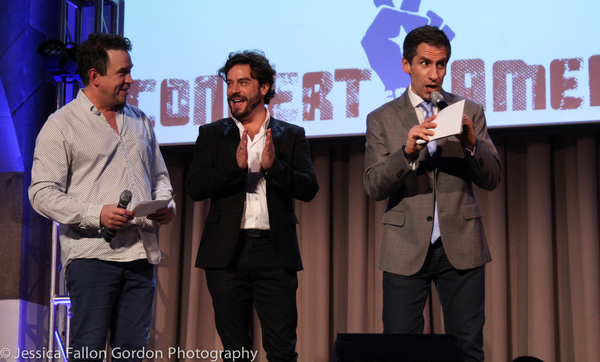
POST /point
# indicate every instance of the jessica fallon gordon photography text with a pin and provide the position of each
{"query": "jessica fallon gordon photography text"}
(172, 352)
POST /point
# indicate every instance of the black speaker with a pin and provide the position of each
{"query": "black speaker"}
(374, 347)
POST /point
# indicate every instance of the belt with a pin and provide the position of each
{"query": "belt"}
(256, 233)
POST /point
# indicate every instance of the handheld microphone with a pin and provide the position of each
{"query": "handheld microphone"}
(124, 200)
(438, 100)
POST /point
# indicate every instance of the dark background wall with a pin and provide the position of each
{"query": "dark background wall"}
(27, 97)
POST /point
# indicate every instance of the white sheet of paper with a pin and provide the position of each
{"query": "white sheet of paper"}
(146, 208)
(449, 121)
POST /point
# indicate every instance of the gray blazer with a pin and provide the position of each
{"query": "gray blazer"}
(411, 194)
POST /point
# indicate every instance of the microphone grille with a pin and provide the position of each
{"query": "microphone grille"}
(435, 97)
(126, 196)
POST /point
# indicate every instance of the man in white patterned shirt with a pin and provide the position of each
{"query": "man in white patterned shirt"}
(86, 154)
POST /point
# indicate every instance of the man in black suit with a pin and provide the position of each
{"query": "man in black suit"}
(252, 166)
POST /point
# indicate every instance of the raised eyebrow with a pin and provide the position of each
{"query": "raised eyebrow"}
(229, 81)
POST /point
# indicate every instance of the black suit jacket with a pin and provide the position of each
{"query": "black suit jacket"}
(215, 174)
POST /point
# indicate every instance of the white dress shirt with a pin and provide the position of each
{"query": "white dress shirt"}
(256, 210)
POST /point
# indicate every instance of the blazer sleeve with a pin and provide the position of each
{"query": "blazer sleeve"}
(484, 166)
(292, 172)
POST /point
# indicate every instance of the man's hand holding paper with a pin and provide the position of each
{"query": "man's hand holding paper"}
(156, 210)
(449, 122)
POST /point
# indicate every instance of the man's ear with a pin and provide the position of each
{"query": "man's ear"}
(405, 66)
(94, 76)
(264, 89)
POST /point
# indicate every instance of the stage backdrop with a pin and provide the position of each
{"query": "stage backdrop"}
(527, 62)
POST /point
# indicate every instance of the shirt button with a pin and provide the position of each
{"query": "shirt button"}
(429, 218)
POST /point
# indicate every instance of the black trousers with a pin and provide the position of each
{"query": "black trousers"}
(462, 296)
(255, 277)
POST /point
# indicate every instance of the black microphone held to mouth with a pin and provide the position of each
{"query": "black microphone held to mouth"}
(124, 200)
(438, 100)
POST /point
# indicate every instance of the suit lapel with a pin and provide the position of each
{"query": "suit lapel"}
(450, 98)
(231, 133)
(227, 126)
(405, 111)
(276, 132)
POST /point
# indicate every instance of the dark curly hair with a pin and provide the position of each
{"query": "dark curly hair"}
(92, 54)
(260, 69)
(427, 34)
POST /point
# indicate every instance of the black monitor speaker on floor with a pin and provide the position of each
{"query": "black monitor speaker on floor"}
(375, 347)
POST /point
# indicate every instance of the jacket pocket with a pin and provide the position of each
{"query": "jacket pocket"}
(472, 211)
(393, 217)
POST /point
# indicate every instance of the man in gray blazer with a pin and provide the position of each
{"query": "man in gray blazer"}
(432, 227)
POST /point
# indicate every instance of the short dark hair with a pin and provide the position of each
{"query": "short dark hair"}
(260, 69)
(427, 34)
(92, 54)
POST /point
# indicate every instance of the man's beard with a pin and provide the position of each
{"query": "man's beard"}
(251, 105)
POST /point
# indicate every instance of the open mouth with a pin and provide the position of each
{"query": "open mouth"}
(237, 102)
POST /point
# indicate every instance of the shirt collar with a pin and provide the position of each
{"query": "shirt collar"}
(415, 100)
(87, 104)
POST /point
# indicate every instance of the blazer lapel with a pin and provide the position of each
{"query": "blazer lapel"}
(405, 111)
(231, 133)
(227, 126)
(276, 132)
